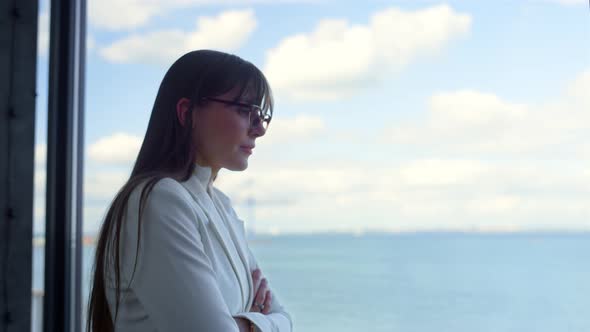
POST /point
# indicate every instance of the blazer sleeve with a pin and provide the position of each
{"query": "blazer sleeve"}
(174, 280)
(278, 320)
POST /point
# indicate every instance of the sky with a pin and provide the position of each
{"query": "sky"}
(391, 116)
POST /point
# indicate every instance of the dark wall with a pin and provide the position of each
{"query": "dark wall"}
(18, 58)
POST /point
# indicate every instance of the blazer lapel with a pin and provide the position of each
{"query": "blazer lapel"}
(240, 248)
(202, 198)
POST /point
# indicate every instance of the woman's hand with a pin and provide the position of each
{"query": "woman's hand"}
(263, 294)
(243, 324)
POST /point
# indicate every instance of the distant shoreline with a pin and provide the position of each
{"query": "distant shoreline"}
(90, 239)
(87, 240)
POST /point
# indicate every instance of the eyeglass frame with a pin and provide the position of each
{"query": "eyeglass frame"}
(261, 117)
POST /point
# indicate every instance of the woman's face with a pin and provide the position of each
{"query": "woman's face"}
(223, 135)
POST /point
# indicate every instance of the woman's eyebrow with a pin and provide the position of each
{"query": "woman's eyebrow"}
(245, 99)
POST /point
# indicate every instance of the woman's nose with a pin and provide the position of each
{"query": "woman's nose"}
(257, 129)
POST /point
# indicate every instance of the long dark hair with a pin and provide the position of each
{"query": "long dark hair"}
(168, 150)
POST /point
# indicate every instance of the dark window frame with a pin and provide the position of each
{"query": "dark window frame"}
(62, 305)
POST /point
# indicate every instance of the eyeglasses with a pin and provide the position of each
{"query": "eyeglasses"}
(255, 113)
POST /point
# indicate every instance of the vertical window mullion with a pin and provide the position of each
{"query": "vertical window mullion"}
(62, 302)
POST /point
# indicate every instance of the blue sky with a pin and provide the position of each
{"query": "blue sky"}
(391, 115)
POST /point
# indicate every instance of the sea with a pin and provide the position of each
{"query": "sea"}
(422, 282)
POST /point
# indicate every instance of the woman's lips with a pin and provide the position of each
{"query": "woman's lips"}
(246, 149)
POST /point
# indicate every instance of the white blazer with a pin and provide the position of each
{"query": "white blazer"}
(194, 266)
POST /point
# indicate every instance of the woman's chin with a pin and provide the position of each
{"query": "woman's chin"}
(237, 166)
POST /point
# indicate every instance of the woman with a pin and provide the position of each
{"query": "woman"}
(172, 254)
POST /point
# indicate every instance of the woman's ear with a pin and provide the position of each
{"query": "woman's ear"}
(182, 108)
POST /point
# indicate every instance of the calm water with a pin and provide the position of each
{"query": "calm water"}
(426, 282)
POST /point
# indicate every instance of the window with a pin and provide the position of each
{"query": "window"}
(426, 167)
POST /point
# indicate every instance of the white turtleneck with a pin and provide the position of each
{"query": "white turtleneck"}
(205, 175)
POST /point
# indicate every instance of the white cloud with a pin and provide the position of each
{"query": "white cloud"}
(119, 148)
(103, 185)
(40, 154)
(469, 109)
(339, 58)
(43, 33)
(40, 182)
(122, 14)
(425, 194)
(435, 173)
(481, 123)
(131, 14)
(296, 129)
(227, 31)
(580, 87)
(90, 43)
(466, 121)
